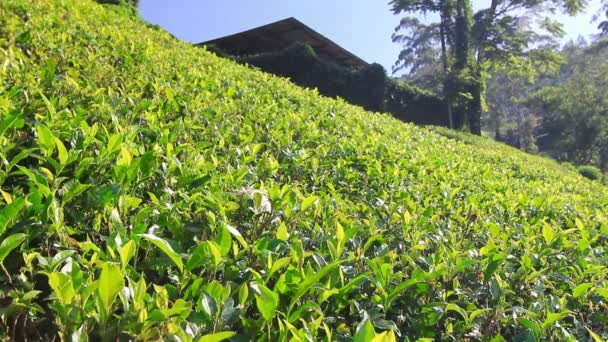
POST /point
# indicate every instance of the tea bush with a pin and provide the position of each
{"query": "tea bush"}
(590, 172)
(150, 190)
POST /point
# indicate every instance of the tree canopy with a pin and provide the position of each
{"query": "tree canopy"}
(473, 44)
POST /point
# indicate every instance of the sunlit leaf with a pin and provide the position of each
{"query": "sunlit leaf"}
(266, 300)
(164, 246)
(111, 282)
(9, 243)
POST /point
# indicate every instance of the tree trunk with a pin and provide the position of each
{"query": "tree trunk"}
(497, 124)
(475, 110)
(444, 58)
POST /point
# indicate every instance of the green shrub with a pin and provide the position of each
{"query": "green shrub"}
(590, 172)
(412, 104)
(570, 166)
(368, 87)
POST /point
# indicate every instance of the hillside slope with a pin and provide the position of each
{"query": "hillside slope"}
(150, 189)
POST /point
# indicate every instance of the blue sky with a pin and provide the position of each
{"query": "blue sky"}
(363, 27)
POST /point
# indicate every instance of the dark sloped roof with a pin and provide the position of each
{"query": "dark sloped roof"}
(279, 35)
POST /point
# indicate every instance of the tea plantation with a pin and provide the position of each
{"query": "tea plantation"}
(150, 190)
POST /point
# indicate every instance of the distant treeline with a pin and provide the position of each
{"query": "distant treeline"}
(369, 87)
(564, 114)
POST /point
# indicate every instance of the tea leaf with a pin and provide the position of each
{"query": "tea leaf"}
(217, 337)
(61, 151)
(62, 286)
(548, 233)
(310, 281)
(13, 120)
(265, 300)
(10, 212)
(581, 289)
(111, 282)
(164, 246)
(127, 252)
(594, 336)
(365, 332)
(308, 202)
(9, 243)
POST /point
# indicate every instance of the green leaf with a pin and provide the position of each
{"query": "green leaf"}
(498, 338)
(458, 309)
(19, 157)
(62, 286)
(166, 248)
(581, 290)
(214, 252)
(554, 317)
(399, 289)
(308, 202)
(493, 262)
(209, 305)
(478, 313)
(277, 265)
(139, 295)
(10, 243)
(10, 212)
(46, 140)
(243, 294)
(282, 233)
(602, 292)
(532, 326)
(365, 332)
(111, 282)
(217, 337)
(310, 281)
(127, 252)
(387, 336)
(237, 235)
(202, 254)
(308, 306)
(114, 143)
(548, 233)
(61, 152)
(594, 336)
(13, 120)
(265, 300)
(223, 238)
(75, 191)
(48, 104)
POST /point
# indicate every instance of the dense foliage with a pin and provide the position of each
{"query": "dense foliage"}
(368, 87)
(470, 44)
(151, 190)
(563, 114)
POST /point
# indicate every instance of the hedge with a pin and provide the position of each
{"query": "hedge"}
(369, 87)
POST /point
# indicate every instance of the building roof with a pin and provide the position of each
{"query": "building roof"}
(279, 35)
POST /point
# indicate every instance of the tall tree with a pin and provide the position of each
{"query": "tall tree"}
(420, 41)
(500, 34)
(603, 25)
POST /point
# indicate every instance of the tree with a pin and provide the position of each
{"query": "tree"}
(560, 111)
(420, 40)
(603, 26)
(498, 35)
(574, 107)
(508, 116)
